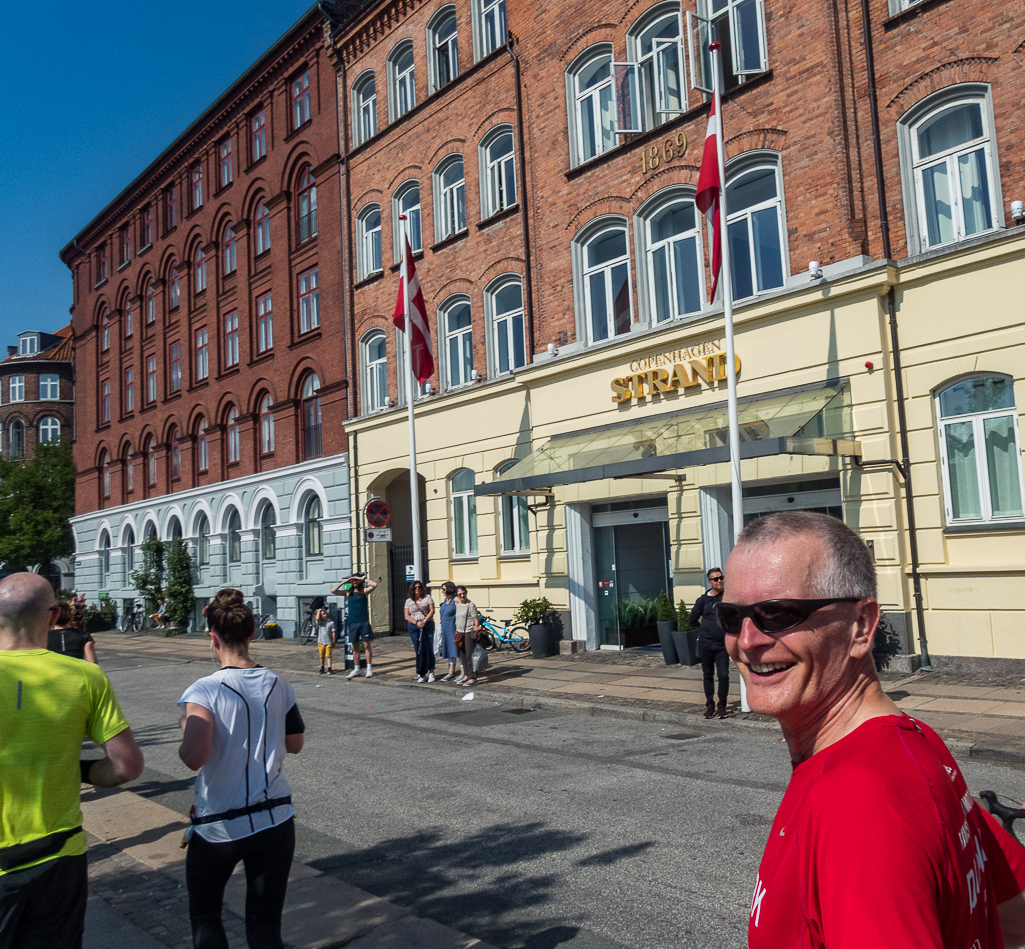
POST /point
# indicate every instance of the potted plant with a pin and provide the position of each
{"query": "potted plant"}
(685, 638)
(665, 620)
(535, 614)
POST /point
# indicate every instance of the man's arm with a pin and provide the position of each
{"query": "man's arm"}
(122, 762)
(369, 586)
(337, 590)
(1012, 921)
(90, 652)
(696, 611)
(197, 726)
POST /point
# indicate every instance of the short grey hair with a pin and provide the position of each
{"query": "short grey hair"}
(848, 569)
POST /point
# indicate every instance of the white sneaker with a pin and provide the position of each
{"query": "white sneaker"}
(370, 674)
(353, 674)
(430, 677)
(420, 679)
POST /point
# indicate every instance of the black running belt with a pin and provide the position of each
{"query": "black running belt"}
(19, 855)
(243, 811)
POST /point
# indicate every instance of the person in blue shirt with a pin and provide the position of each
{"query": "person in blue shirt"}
(357, 623)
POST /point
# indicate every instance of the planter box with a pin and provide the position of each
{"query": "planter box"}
(542, 642)
(687, 646)
(666, 628)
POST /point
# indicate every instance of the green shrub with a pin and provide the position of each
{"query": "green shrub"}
(666, 612)
(534, 612)
(180, 598)
(682, 617)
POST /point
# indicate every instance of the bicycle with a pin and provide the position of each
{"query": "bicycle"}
(308, 630)
(1006, 815)
(132, 620)
(505, 636)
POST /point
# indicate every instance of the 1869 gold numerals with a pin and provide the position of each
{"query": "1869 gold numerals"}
(658, 154)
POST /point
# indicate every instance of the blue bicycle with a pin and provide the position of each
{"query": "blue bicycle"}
(505, 636)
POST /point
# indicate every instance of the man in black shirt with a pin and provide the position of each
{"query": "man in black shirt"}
(712, 644)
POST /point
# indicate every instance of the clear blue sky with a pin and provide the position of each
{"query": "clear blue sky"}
(92, 93)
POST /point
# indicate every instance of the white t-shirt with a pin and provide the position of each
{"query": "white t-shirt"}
(325, 633)
(248, 754)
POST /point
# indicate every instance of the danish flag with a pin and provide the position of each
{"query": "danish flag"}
(708, 191)
(411, 304)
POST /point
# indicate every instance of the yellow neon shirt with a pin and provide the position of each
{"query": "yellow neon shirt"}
(48, 704)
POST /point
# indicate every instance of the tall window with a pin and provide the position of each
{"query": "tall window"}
(151, 378)
(515, 519)
(234, 526)
(170, 207)
(203, 541)
(498, 171)
(457, 327)
(605, 286)
(174, 361)
(176, 453)
(268, 541)
(313, 528)
(129, 470)
(306, 206)
(105, 331)
(202, 447)
(234, 436)
(49, 386)
(407, 202)
(174, 290)
(675, 269)
(16, 389)
(129, 317)
(593, 119)
(257, 135)
(124, 245)
(105, 401)
(146, 227)
(266, 425)
(504, 305)
(199, 268)
(369, 249)
(740, 26)
(224, 156)
(149, 452)
(653, 85)
(196, 177)
(49, 429)
(129, 389)
(443, 45)
(493, 27)
(980, 450)
(375, 371)
(105, 542)
(229, 253)
(261, 222)
(231, 339)
(401, 80)
(364, 108)
(755, 227)
(102, 264)
(311, 417)
(309, 301)
(301, 99)
(953, 177)
(464, 514)
(450, 197)
(16, 448)
(202, 354)
(264, 323)
(150, 297)
(129, 545)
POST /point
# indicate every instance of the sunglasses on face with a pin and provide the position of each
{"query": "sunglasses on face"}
(771, 616)
(716, 579)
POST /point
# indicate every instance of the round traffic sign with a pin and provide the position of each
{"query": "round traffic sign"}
(378, 514)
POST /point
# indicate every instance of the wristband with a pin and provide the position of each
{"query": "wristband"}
(84, 765)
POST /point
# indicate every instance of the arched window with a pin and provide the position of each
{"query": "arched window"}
(756, 234)
(104, 558)
(443, 48)
(375, 371)
(449, 197)
(655, 46)
(203, 540)
(503, 306)
(174, 290)
(266, 425)
(234, 537)
(311, 417)
(128, 468)
(401, 80)
(202, 447)
(150, 453)
(313, 529)
(675, 280)
(199, 269)
(229, 255)
(364, 108)
(603, 290)
(261, 224)
(268, 541)
(464, 514)
(104, 467)
(457, 327)
(515, 519)
(174, 529)
(150, 297)
(129, 560)
(491, 25)
(980, 450)
(104, 330)
(49, 429)
(368, 250)
(498, 175)
(232, 432)
(306, 206)
(129, 312)
(592, 120)
(407, 202)
(176, 453)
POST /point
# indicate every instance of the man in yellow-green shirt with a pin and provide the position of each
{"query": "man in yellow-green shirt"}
(48, 704)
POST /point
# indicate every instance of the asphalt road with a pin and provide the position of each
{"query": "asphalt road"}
(529, 831)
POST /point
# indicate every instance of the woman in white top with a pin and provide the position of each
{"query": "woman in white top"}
(420, 623)
(238, 724)
(468, 624)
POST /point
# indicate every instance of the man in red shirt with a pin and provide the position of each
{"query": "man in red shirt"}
(877, 842)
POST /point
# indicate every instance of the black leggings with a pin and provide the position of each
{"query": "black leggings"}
(267, 857)
(715, 659)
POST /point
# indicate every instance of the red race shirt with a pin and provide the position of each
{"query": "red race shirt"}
(878, 843)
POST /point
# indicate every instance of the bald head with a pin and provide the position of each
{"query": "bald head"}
(26, 600)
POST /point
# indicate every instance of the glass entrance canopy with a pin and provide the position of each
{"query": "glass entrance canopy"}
(813, 420)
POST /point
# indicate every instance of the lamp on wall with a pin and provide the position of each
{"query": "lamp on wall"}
(388, 402)
(553, 350)
(814, 270)
(474, 376)
(428, 389)
(1018, 211)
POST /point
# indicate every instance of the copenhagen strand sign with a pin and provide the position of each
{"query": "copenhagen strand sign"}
(673, 370)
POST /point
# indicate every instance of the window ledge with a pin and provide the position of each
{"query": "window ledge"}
(517, 555)
(96, 286)
(123, 264)
(142, 250)
(308, 337)
(417, 255)
(451, 239)
(467, 558)
(910, 13)
(253, 164)
(223, 188)
(987, 528)
(499, 216)
(366, 281)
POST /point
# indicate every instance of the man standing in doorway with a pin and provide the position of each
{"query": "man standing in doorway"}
(50, 703)
(715, 661)
(877, 841)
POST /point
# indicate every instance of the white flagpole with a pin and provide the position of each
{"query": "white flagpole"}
(726, 282)
(414, 487)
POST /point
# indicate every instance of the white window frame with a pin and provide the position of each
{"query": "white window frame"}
(455, 374)
(648, 103)
(266, 416)
(46, 426)
(264, 322)
(438, 44)
(313, 529)
(449, 200)
(497, 174)
(503, 325)
(375, 371)
(406, 200)
(582, 273)
(309, 300)
(364, 108)
(912, 168)
(202, 446)
(49, 387)
(745, 164)
(401, 81)
(490, 27)
(369, 257)
(513, 510)
(465, 542)
(233, 532)
(16, 389)
(702, 23)
(233, 436)
(203, 541)
(977, 420)
(588, 101)
(28, 345)
(268, 534)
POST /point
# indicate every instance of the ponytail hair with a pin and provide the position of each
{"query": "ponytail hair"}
(230, 618)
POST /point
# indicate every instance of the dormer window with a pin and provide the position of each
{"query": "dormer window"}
(28, 345)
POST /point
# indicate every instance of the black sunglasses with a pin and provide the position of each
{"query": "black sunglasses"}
(772, 616)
